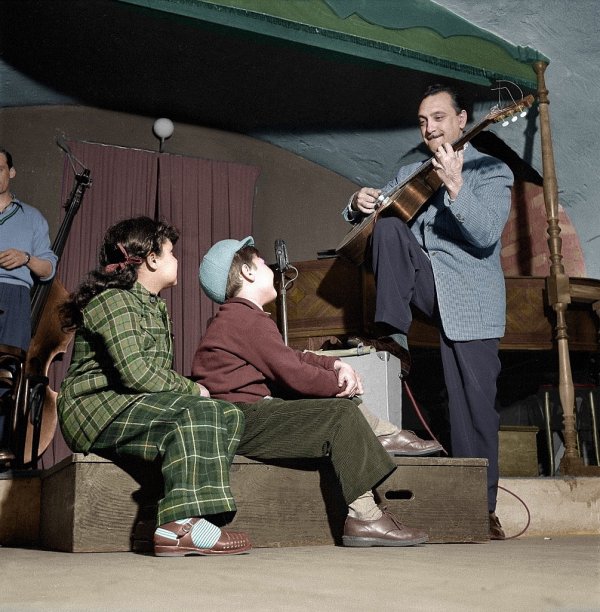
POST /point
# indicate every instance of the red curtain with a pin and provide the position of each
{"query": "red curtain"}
(206, 200)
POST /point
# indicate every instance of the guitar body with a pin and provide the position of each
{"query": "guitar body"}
(414, 195)
(407, 199)
(407, 202)
(355, 243)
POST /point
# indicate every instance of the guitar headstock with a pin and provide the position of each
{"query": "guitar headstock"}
(514, 111)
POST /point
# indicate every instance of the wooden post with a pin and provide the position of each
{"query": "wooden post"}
(558, 287)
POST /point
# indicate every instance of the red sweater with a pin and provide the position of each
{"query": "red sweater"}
(242, 358)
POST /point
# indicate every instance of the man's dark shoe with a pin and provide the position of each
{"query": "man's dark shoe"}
(386, 343)
(385, 531)
(496, 531)
(407, 444)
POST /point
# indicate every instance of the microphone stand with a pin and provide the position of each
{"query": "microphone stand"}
(282, 265)
(284, 284)
(283, 302)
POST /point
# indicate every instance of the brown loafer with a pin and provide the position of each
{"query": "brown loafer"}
(386, 531)
(496, 531)
(406, 443)
(230, 542)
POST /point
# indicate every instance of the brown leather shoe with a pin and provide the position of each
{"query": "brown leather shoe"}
(386, 531)
(496, 531)
(407, 444)
(230, 542)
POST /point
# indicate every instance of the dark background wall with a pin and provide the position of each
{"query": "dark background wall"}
(296, 199)
(350, 116)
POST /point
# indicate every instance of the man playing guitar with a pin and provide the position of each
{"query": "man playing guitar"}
(446, 262)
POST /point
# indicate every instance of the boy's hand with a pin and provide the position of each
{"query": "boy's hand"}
(348, 380)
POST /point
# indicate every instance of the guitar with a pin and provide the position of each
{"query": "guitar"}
(407, 199)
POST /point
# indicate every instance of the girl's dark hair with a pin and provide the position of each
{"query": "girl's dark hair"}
(139, 237)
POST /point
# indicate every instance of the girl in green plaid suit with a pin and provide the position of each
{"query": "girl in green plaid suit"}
(122, 396)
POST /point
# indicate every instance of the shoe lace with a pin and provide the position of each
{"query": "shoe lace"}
(392, 517)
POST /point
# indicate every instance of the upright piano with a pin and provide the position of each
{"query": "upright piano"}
(334, 298)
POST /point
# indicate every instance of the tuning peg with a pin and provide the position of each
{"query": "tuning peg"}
(505, 123)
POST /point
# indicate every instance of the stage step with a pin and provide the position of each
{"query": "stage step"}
(559, 506)
(91, 505)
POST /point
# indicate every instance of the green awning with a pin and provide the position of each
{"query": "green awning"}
(415, 34)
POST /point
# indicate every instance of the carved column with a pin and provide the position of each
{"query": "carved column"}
(558, 286)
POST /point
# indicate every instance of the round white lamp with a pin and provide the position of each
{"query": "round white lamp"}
(163, 128)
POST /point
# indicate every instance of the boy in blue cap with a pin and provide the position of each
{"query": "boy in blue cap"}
(242, 358)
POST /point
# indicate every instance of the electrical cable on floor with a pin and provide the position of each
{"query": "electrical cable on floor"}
(419, 414)
(424, 423)
(526, 510)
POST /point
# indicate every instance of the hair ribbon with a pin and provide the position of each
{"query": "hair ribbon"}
(129, 260)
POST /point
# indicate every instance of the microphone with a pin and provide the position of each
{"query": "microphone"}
(281, 255)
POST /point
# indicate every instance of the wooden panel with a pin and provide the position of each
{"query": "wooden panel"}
(332, 297)
(58, 507)
(530, 321)
(326, 299)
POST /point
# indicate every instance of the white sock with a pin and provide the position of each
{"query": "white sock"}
(380, 427)
(205, 534)
(364, 508)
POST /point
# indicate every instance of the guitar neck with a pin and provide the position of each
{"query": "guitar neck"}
(492, 117)
(406, 199)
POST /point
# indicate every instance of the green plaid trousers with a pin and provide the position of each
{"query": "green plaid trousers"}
(195, 438)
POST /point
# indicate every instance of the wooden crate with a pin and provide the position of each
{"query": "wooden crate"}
(447, 498)
(87, 505)
(517, 454)
(91, 505)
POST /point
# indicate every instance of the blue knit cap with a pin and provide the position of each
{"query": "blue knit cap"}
(215, 266)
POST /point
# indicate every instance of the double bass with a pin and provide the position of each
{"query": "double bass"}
(36, 417)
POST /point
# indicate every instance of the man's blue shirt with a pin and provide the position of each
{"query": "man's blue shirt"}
(23, 227)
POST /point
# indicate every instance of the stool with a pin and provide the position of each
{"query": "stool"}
(12, 361)
(586, 394)
(25, 394)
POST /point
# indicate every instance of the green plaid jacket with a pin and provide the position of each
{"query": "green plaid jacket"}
(123, 351)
